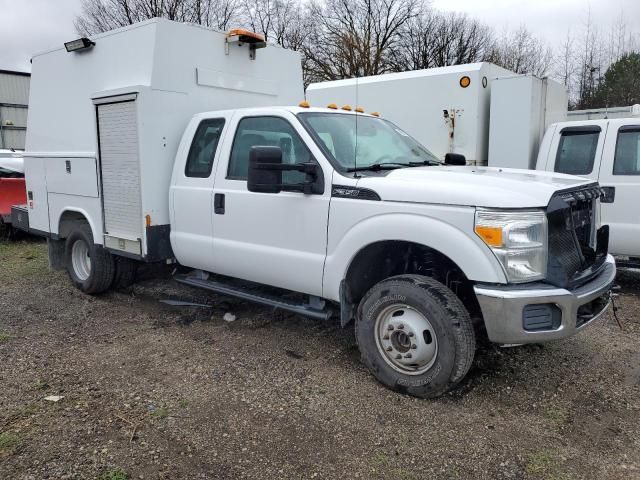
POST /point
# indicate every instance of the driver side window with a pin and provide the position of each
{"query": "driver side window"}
(267, 131)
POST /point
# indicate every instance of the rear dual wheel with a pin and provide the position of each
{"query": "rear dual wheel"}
(415, 335)
(90, 266)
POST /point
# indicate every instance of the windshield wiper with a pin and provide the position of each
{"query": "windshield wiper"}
(424, 162)
(380, 166)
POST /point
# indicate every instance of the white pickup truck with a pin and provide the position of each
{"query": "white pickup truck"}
(607, 151)
(318, 211)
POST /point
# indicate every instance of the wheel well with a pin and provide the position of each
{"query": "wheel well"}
(385, 259)
(68, 221)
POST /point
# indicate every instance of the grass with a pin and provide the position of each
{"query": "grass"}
(558, 415)
(40, 384)
(539, 462)
(26, 411)
(8, 442)
(183, 403)
(114, 474)
(161, 412)
(380, 460)
(23, 260)
(4, 337)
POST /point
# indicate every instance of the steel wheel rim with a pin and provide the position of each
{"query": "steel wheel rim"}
(406, 340)
(80, 260)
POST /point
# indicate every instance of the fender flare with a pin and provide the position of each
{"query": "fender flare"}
(468, 252)
(87, 217)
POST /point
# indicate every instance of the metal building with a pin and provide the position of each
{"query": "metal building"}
(14, 100)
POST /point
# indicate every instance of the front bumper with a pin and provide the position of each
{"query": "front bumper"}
(503, 307)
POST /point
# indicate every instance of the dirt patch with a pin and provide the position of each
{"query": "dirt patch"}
(152, 391)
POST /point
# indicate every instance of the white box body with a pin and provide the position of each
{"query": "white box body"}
(416, 102)
(522, 107)
(138, 87)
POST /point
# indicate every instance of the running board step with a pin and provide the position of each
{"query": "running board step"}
(244, 293)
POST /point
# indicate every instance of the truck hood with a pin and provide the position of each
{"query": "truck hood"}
(474, 186)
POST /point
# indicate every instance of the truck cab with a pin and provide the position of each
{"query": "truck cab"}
(607, 151)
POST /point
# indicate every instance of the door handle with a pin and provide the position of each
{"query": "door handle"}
(218, 203)
(609, 194)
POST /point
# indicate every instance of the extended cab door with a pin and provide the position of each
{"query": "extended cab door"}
(620, 178)
(191, 193)
(275, 239)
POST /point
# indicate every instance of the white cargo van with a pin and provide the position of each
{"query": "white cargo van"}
(324, 212)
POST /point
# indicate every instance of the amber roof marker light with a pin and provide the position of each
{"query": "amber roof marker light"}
(304, 104)
(465, 81)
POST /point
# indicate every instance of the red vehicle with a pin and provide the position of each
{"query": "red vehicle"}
(12, 185)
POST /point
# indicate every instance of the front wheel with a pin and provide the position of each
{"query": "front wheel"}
(89, 266)
(415, 335)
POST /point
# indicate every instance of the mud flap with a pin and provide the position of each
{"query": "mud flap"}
(56, 254)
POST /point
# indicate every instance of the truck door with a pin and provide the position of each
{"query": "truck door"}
(191, 194)
(276, 239)
(620, 177)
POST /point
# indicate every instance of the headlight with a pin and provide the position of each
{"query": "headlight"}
(518, 239)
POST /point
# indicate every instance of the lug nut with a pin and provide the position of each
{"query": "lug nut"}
(401, 326)
(389, 349)
(398, 357)
(390, 327)
(414, 346)
(411, 334)
(386, 337)
(408, 355)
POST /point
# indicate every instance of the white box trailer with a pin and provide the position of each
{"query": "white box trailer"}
(479, 110)
(106, 122)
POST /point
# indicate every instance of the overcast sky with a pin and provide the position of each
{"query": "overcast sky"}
(30, 26)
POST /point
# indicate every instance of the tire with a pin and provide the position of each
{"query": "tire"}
(93, 269)
(432, 333)
(125, 272)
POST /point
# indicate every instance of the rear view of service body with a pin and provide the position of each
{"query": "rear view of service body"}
(184, 151)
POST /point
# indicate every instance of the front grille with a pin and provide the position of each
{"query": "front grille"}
(576, 250)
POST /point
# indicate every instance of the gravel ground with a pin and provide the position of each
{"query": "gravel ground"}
(151, 391)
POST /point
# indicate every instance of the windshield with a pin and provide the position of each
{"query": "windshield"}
(361, 142)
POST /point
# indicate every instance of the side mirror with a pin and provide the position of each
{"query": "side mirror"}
(454, 159)
(265, 172)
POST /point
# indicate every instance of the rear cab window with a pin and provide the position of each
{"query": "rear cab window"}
(627, 157)
(577, 150)
(203, 148)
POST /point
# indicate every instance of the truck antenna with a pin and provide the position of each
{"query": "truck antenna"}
(355, 151)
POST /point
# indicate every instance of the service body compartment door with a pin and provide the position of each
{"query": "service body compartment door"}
(37, 200)
(120, 174)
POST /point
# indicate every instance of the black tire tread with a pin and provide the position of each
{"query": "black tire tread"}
(125, 272)
(463, 331)
(102, 264)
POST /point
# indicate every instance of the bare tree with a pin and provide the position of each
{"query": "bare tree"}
(521, 52)
(434, 39)
(102, 15)
(354, 37)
